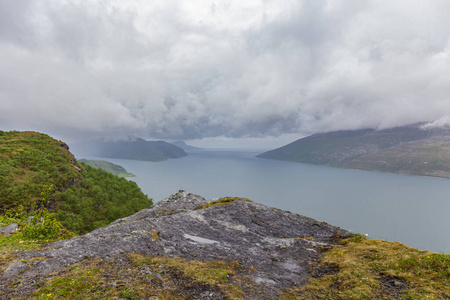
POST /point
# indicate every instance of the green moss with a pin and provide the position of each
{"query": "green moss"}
(155, 235)
(221, 201)
(140, 278)
(373, 269)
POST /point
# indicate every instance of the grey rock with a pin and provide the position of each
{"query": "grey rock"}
(8, 229)
(14, 269)
(278, 244)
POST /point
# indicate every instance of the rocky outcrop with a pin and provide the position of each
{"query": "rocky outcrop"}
(9, 229)
(278, 244)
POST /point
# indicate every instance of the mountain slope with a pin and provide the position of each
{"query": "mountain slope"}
(138, 149)
(408, 150)
(108, 167)
(82, 198)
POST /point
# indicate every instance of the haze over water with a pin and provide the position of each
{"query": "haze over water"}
(413, 210)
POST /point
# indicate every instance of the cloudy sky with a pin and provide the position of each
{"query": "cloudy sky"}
(249, 70)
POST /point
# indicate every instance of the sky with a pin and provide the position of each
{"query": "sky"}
(254, 72)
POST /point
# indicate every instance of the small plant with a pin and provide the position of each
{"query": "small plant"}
(46, 194)
(130, 294)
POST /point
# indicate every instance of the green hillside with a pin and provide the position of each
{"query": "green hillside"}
(83, 198)
(108, 167)
(405, 150)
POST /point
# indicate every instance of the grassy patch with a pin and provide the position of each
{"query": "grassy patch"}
(17, 242)
(374, 269)
(79, 283)
(141, 278)
(222, 201)
(212, 273)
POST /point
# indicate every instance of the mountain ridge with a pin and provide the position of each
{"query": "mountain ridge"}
(413, 150)
(136, 149)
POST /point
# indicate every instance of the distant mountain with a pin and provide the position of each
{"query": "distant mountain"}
(138, 149)
(108, 167)
(413, 149)
(184, 146)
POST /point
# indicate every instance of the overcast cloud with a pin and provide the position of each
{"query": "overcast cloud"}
(221, 69)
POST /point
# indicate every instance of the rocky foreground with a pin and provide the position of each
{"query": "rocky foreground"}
(275, 249)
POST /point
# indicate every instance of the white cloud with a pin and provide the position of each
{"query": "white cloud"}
(202, 69)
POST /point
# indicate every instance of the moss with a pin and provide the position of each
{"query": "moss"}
(221, 201)
(155, 235)
(373, 269)
(141, 278)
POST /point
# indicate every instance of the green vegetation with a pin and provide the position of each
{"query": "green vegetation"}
(140, 278)
(37, 171)
(404, 150)
(30, 160)
(98, 199)
(222, 201)
(108, 167)
(373, 269)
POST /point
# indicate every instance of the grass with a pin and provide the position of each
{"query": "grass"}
(17, 242)
(375, 269)
(221, 201)
(140, 278)
(80, 282)
(212, 273)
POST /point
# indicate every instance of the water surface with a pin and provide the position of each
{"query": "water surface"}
(414, 210)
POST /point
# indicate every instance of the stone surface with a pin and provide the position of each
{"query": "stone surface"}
(278, 244)
(8, 229)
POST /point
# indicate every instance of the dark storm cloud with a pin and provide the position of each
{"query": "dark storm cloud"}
(198, 69)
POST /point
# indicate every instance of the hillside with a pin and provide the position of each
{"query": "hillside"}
(137, 149)
(186, 247)
(37, 171)
(108, 167)
(410, 149)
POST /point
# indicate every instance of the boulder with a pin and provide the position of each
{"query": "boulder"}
(8, 229)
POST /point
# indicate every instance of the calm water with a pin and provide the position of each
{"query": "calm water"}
(411, 209)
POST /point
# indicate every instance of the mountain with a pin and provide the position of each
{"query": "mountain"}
(184, 146)
(137, 149)
(414, 149)
(186, 247)
(108, 167)
(37, 171)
